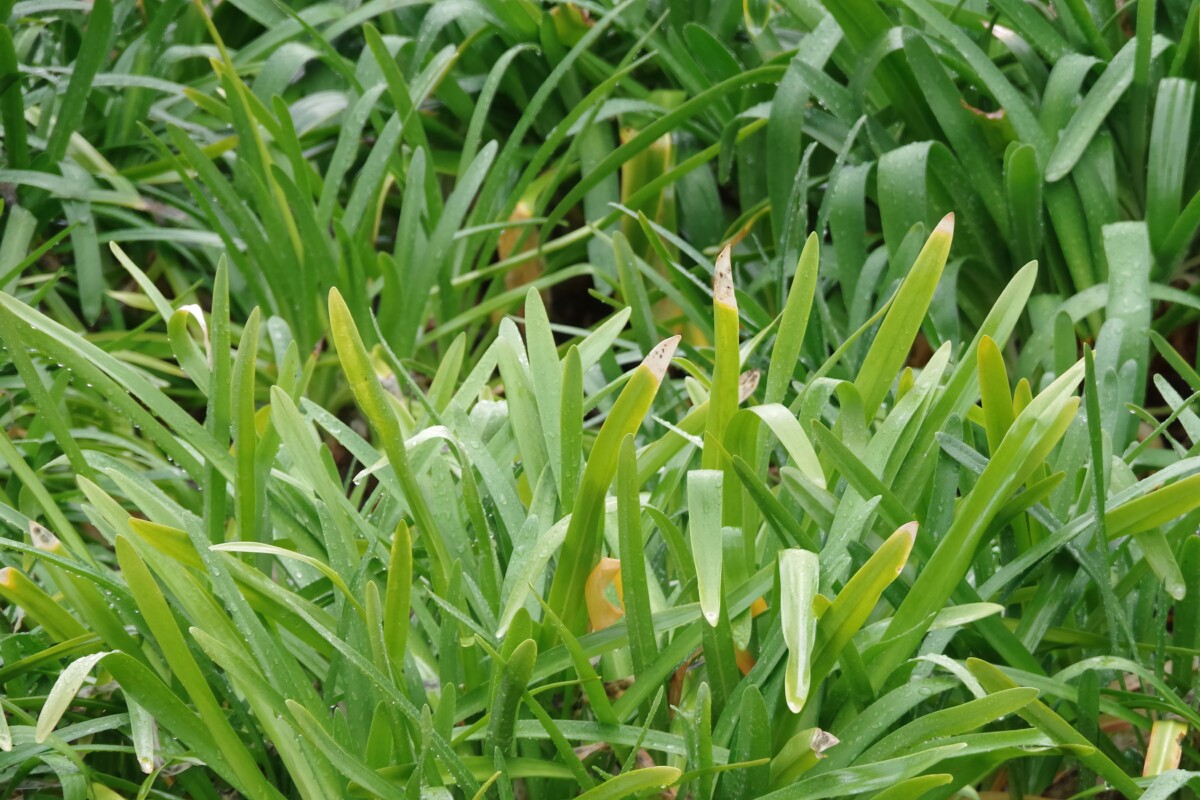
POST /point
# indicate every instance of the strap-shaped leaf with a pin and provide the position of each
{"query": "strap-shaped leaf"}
(704, 489)
(799, 579)
(581, 545)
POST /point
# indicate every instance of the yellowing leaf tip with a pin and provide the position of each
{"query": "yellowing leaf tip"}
(339, 311)
(946, 226)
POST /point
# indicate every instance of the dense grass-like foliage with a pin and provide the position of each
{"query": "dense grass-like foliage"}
(450, 400)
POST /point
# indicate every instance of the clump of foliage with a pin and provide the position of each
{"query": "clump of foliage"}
(861, 579)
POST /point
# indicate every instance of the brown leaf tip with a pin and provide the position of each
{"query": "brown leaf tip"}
(723, 278)
(660, 357)
(747, 383)
(822, 741)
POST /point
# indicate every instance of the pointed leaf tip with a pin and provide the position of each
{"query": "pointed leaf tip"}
(723, 278)
(69, 682)
(338, 310)
(822, 741)
(946, 225)
(660, 357)
(747, 383)
(43, 539)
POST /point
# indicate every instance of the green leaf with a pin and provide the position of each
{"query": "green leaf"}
(799, 579)
(1169, 142)
(1100, 101)
(93, 53)
(633, 783)
(370, 395)
(1023, 195)
(912, 788)
(704, 489)
(903, 320)
(1127, 249)
(960, 719)
(67, 685)
(581, 545)
(753, 743)
(866, 778)
(857, 599)
(514, 676)
(1041, 717)
(21, 592)
(643, 646)
(793, 322)
(1154, 509)
(281, 552)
